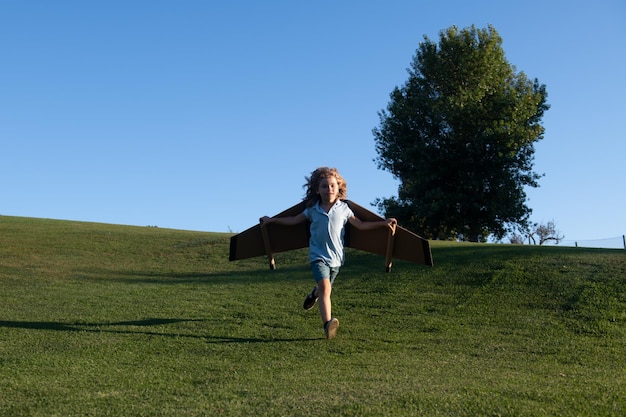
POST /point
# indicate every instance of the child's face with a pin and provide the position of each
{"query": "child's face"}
(328, 190)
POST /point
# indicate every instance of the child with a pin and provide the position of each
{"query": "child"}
(328, 214)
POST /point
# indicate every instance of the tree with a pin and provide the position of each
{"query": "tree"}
(545, 232)
(459, 136)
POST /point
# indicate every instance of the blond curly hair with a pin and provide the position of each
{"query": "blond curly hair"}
(313, 184)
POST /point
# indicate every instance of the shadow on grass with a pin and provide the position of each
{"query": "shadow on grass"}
(244, 277)
(99, 328)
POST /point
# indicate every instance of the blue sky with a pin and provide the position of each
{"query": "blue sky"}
(206, 115)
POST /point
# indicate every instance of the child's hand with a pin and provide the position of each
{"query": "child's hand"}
(392, 222)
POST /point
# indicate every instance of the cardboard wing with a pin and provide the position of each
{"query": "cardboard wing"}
(268, 239)
(403, 244)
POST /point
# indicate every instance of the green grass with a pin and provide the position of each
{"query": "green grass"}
(101, 319)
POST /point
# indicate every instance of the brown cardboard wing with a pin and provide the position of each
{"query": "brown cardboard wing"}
(250, 243)
(405, 244)
(268, 239)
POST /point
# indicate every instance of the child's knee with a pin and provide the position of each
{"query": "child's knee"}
(323, 287)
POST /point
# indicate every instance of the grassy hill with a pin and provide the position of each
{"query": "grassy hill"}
(102, 319)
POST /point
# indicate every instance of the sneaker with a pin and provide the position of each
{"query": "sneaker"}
(310, 299)
(330, 328)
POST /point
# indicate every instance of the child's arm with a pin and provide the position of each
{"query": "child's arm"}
(285, 221)
(360, 224)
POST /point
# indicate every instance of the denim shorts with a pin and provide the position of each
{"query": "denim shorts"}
(322, 271)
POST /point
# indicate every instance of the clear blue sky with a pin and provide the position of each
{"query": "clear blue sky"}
(206, 115)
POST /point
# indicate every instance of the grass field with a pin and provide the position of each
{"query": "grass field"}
(102, 319)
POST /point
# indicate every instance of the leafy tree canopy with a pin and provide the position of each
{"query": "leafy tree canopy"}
(459, 136)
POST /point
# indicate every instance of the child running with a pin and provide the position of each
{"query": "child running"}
(328, 214)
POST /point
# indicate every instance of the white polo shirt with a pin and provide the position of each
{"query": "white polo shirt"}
(327, 231)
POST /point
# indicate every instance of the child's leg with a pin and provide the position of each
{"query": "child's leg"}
(324, 288)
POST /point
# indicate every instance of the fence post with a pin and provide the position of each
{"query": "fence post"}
(624, 240)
